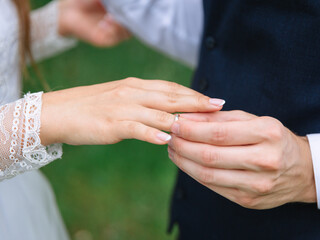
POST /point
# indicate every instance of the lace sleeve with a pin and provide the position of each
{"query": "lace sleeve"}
(20, 147)
(46, 40)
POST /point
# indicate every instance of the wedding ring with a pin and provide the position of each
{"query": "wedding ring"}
(176, 117)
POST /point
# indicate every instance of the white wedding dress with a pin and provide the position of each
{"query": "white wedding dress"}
(27, 205)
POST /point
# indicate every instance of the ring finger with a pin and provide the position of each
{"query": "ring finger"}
(150, 117)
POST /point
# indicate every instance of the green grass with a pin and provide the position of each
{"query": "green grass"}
(114, 192)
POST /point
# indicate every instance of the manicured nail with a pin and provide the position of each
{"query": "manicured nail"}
(217, 102)
(175, 128)
(164, 137)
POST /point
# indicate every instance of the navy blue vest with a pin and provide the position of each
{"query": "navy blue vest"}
(263, 57)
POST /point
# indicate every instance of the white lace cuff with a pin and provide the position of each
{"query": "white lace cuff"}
(20, 147)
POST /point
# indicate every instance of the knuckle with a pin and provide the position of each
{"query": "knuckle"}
(273, 129)
(163, 117)
(210, 157)
(263, 187)
(219, 134)
(248, 202)
(131, 79)
(206, 176)
(122, 90)
(272, 163)
(172, 86)
(275, 163)
(275, 133)
(172, 98)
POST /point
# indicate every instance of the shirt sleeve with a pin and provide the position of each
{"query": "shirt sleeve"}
(171, 26)
(20, 146)
(46, 41)
(314, 141)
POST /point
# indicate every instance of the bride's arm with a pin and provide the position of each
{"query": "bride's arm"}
(20, 147)
(45, 37)
(99, 114)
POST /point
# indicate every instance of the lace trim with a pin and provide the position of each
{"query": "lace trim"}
(5, 137)
(15, 128)
(33, 150)
(26, 151)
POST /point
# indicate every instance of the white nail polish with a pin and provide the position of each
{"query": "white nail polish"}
(217, 102)
(164, 137)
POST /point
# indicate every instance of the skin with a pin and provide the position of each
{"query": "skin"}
(110, 112)
(253, 161)
(89, 21)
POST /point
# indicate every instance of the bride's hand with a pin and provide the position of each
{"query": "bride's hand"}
(89, 21)
(110, 112)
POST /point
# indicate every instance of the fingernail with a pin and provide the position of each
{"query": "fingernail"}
(164, 137)
(175, 128)
(217, 102)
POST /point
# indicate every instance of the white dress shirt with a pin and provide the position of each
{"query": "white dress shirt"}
(175, 28)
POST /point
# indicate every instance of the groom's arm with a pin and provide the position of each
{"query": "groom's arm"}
(171, 26)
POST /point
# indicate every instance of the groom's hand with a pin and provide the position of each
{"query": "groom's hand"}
(89, 21)
(253, 161)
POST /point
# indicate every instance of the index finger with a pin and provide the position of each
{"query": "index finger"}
(220, 133)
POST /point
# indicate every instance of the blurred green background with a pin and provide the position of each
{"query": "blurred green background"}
(114, 192)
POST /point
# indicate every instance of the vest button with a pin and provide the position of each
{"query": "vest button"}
(210, 43)
(203, 84)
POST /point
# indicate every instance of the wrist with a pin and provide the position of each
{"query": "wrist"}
(49, 132)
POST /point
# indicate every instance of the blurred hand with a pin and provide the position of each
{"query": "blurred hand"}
(253, 161)
(110, 112)
(89, 21)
